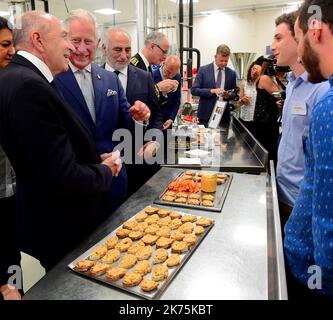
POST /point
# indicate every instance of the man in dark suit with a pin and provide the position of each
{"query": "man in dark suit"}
(154, 53)
(138, 85)
(107, 108)
(212, 82)
(170, 70)
(61, 178)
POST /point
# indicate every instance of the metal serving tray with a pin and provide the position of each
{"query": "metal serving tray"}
(155, 294)
(220, 194)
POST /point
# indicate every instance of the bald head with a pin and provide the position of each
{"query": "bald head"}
(171, 66)
(44, 36)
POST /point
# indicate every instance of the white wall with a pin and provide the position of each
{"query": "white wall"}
(246, 32)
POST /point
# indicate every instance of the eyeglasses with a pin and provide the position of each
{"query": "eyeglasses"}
(165, 52)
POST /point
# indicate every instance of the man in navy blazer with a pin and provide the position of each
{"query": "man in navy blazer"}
(138, 84)
(111, 109)
(169, 70)
(209, 89)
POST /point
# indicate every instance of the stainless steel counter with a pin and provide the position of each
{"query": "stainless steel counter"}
(230, 263)
(239, 151)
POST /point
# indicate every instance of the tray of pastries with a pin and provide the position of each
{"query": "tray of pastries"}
(144, 254)
(186, 190)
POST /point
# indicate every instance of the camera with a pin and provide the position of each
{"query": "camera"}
(273, 69)
(281, 95)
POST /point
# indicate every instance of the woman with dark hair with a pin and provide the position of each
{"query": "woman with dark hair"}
(266, 111)
(10, 254)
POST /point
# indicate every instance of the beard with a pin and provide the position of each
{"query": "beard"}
(310, 60)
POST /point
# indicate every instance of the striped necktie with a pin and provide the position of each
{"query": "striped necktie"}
(88, 93)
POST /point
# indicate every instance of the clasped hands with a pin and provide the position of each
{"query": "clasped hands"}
(168, 85)
(221, 93)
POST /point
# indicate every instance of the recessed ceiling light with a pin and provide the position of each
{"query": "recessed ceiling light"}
(107, 11)
(4, 13)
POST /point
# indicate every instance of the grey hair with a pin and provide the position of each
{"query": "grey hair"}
(32, 20)
(110, 30)
(82, 14)
(154, 37)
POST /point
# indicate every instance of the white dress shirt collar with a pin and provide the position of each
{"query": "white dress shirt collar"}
(75, 69)
(38, 63)
(121, 71)
(144, 60)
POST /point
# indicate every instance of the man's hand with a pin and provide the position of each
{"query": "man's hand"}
(168, 85)
(140, 111)
(149, 149)
(225, 95)
(216, 91)
(9, 292)
(280, 104)
(167, 124)
(113, 161)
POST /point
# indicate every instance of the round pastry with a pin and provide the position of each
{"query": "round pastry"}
(173, 260)
(140, 227)
(189, 172)
(190, 239)
(148, 285)
(163, 213)
(160, 256)
(152, 219)
(152, 229)
(136, 235)
(194, 196)
(197, 179)
(187, 177)
(149, 239)
(179, 247)
(98, 269)
(140, 217)
(115, 274)
(133, 249)
(204, 222)
(122, 233)
(164, 222)
(132, 279)
(187, 227)
(163, 232)
(168, 198)
(208, 197)
(143, 267)
(181, 200)
(98, 253)
(181, 195)
(151, 210)
(175, 215)
(111, 256)
(220, 181)
(129, 224)
(194, 202)
(222, 176)
(199, 230)
(177, 235)
(170, 193)
(208, 203)
(110, 243)
(128, 261)
(175, 223)
(160, 273)
(163, 243)
(84, 265)
(144, 253)
(189, 218)
(124, 244)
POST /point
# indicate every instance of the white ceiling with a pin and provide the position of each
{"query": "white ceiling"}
(128, 7)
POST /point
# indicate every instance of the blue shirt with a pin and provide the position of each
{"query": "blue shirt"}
(302, 96)
(309, 230)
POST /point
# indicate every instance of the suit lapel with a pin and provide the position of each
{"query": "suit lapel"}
(131, 79)
(212, 75)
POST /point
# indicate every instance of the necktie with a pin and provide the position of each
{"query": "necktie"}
(88, 94)
(219, 78)
(116, 72)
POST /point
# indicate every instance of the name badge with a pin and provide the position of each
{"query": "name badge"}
(299, 108)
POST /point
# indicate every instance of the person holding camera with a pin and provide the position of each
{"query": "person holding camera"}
(301, 96)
